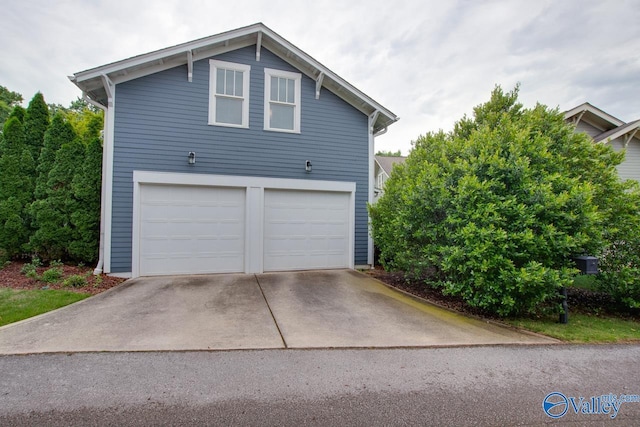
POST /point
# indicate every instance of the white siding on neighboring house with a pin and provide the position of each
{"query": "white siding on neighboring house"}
(382, 170)
(587, 128)
(630, 168)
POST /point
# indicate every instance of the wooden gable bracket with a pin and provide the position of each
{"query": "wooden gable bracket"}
(319, 84)
(258, 46)
(577, 119)
(108, 88)
(189, 66)
(628, 138)
(374, 117)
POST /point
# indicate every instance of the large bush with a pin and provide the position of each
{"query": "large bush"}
(495, 210)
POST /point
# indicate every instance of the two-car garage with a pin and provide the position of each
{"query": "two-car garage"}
(197, 224)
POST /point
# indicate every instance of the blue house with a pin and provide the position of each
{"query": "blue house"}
(233, 153)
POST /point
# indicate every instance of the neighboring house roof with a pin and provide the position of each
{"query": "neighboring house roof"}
(611, 127)
(97, 82)
(630, 129)
(604, 121)
(386, 162)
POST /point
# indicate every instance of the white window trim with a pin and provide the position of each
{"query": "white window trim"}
(246, 69)
(297, 78)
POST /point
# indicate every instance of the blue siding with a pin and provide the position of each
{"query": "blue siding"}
(161, 117)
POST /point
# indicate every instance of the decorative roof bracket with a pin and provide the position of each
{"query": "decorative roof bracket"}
(108, 88)
(319, 84)
(258, 46)
(374, 117)
(189, 66)
(577, 119)
(628, 138)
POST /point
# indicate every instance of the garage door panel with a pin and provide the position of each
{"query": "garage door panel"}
(191, 229)
(306, 230)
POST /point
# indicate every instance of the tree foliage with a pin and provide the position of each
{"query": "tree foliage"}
(54, 229)
(52, 209)
(36, 122)
(86, 187)
(59, 132)
(8, 100)
(389, 153)
(16, 189)
(495, 210)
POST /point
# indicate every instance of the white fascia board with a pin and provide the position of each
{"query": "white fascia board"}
(150, 177)
(161, 54)
(328, 74)
(621, 132)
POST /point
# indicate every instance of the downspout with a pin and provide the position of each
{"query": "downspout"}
(99, 266)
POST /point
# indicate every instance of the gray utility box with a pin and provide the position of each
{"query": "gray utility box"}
(587, 264)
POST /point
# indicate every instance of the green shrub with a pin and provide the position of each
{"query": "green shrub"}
(52, 275)
(56, 263)
(97, 281)
(28, 269)
(75, 281)
(495, 210)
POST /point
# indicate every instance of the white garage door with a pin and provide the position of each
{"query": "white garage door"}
(305, 230)
(191, 230)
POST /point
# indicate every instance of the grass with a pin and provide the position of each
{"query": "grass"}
(17, 305)
(584, 328)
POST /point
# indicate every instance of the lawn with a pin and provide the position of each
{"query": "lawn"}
(16, 305)
(583, 328)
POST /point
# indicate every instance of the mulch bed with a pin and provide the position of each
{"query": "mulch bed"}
(11, 277)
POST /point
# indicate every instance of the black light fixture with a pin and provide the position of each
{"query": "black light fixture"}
(192, 157)
(307, 165)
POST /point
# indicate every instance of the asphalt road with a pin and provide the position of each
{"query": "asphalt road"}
(493, 385)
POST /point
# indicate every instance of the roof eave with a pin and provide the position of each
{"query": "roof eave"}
(90, 81)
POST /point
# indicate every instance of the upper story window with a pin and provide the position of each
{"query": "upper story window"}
(281, 100)
(228, 94)
(380, 181)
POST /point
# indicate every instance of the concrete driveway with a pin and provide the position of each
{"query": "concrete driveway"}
(311, 309)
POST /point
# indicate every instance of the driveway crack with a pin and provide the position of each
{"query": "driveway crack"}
(284, 342)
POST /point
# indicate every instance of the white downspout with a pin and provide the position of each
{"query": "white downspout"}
(371, 122)
(98, 269)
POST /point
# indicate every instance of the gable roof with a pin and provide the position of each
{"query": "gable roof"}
(602, 120)
(628, 129)
(386, 162)
(95, 82)
(612, 127)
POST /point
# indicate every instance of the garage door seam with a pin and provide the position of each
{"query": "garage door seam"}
(271, 311)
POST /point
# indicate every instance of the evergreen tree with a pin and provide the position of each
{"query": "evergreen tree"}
(54, 230)
(36, 122)
(8, 100)
(87, 186)
(19, 113)
(16, 189)
(59, 132)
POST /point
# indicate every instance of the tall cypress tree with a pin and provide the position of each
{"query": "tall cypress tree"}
(54, 230)
(16, 189)
(87, 186)
(36, 122)
(59, 132)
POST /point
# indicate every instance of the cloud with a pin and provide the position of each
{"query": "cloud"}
(430, 62)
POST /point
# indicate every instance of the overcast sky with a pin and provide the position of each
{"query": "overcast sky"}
(428, 61)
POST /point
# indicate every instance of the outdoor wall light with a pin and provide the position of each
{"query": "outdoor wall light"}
(307, 165)
(192, 157)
